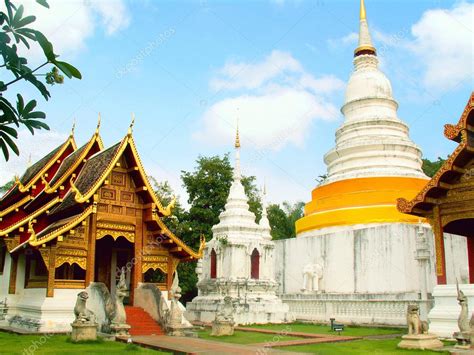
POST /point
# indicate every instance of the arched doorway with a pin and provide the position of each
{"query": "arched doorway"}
(213, 264)
(111, 255)
(255, 264)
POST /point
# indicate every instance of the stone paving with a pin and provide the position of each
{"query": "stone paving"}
(199, 346)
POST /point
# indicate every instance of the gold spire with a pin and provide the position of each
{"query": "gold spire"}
(237, 137)
(98, 125)
(365, 42)
(362, 11)
(73, 128)
(130, 129)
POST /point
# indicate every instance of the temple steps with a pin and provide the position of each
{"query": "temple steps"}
(141, 322)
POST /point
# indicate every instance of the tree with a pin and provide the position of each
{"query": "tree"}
(13, 33)
(282, 220)
(430, 168)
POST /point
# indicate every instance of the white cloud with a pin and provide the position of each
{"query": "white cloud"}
(444, 42)
(280, 103)
(251, 76)
(350, 38)
(34, 147)
(68, 24)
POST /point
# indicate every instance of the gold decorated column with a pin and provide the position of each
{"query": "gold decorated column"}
(51, 271)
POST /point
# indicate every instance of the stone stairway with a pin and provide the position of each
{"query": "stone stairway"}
(141, 322)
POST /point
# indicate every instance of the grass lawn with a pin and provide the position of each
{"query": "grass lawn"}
(325, 329)
(240, 337)
(58, 344)
(385, 346)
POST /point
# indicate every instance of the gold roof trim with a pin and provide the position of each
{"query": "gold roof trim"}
(31, 216)
(127, 141)
(15, 206)
(95, 138)
(179, 242)
(24, 188)
(33, 241)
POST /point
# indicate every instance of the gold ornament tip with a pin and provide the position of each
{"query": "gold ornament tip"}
(363, 15)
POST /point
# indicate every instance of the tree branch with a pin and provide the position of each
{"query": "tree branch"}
(23, 76)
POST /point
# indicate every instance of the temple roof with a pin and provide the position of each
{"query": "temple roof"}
(37, 170)
(451, 171)
(59, 204)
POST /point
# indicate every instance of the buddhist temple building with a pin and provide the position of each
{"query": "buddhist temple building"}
(352, 242)
(446, 202)
(77, 217)
(238, 262)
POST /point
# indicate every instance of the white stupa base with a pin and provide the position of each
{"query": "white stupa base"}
(444, 315)
(255, 302)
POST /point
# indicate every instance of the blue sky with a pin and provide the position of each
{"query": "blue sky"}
(189, 69)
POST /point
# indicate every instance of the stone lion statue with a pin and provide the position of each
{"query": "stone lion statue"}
(226, 311)
(415, 325)
(83, 315)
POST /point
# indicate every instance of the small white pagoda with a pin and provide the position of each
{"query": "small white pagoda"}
(238, 262)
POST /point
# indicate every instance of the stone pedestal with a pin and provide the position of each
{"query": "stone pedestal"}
(120, 330)
(420, 341)
(222, 328)
(83, 332)
(463, 339)
(178, 330)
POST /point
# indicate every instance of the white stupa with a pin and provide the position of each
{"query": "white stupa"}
(238, 262)
(353, 247)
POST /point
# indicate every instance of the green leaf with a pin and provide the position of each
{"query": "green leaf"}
(18, 16)
(37, 114)
(4, 149)
(10, 142)
(25, 21)
(43, 2)
(9, 113)
(45, 45)
(68, 69)
(20, 104)
(11, 131)
(29, 107)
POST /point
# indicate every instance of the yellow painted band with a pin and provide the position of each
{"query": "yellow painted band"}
(359, 201)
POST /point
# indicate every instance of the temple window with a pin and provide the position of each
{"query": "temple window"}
(255, 264)
(3, 253)
(70, 272)
(213, 264)
(36, 272)
(155, 276)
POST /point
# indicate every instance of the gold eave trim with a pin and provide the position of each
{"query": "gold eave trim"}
(15, 206)
(31, 216)
(179, 242)
(78, 161)
(24, 188)
(128, 140)
(73, 223)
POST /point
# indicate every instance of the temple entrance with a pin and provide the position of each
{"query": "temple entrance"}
(464, 227)
(110, 257)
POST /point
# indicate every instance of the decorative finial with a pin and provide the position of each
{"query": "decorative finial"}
(130, 129)
(365, 42)
(98, 125)
(363, 15)
(73, 128)
(237, 137)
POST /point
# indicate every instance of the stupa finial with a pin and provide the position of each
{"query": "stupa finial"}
(363, 15)
(365, 42)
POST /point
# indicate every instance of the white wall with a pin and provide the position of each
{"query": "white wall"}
(376, 258)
